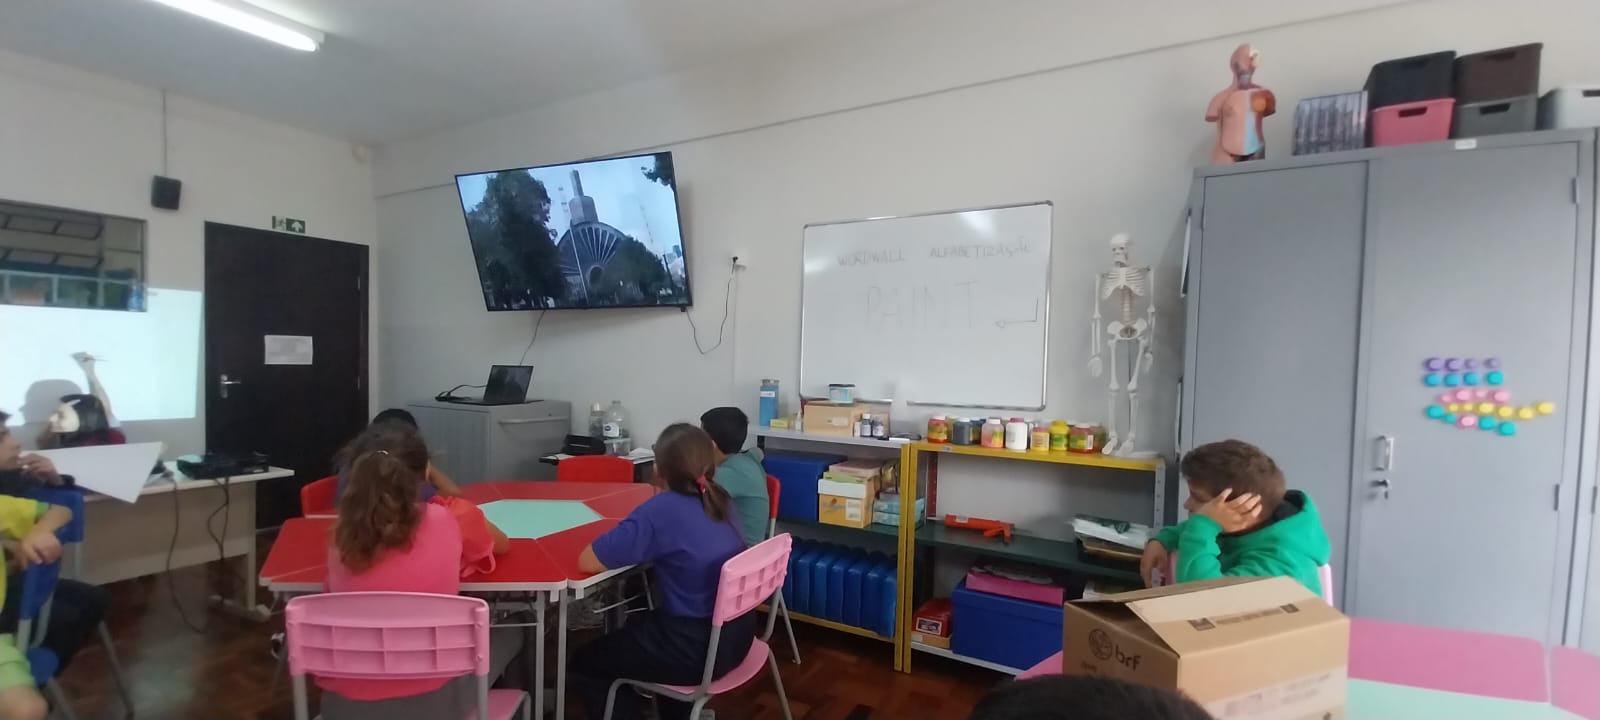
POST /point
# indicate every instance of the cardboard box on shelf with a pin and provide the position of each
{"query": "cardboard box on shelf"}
(834, 419)
(845, 504)
(1244, 648)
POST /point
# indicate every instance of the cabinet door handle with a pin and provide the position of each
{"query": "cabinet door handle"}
(530, 421)
(1385, 460)
(1382, 484)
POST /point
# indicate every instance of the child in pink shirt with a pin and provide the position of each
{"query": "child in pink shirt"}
(387, 539)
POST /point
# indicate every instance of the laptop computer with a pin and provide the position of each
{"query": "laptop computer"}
(508, 385)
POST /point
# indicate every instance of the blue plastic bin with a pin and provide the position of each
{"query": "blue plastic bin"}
(793, 577)
(837, 598)
(1011, 632)
(798, 474)
(854, 584)
(820, 572)
(872, 591)
(800, 600)
(887, 599)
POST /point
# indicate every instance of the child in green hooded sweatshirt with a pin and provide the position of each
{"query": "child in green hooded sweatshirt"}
(1242, 522)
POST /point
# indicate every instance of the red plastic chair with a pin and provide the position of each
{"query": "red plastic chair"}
(748, 578)
(594, 468)
(320, 498)
(395, 636)
(774, 488)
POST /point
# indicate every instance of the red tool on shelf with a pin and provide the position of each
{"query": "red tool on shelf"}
(990, 528)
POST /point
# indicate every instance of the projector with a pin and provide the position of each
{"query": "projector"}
(219, 465)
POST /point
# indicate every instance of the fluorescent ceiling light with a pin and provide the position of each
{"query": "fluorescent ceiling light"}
(251, 19)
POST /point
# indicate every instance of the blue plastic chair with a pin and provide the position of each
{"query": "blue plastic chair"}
(39, 585)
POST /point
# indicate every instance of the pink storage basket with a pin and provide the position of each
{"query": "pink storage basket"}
(992, 584)
(1415, 122)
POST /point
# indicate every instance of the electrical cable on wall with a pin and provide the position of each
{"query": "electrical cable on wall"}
(536, 323)
(727, 300)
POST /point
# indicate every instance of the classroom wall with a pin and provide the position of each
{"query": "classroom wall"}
(951, 105)
(80, 140)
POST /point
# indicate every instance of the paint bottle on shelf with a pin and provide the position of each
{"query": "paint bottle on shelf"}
(1016, 434)
(880, 427)
(1039, 438)
(1058, 435)
(938, 429)
(993, 433)
(961, 432)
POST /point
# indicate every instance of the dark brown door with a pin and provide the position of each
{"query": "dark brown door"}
(260, 284)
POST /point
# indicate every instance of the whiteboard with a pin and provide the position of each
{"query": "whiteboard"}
(941, 309)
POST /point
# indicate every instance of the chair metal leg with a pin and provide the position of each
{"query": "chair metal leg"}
(694, 710)
(611, 699)
(527, 707)
(777, 680)
(116, 669)
(58, 700)
(788, 627)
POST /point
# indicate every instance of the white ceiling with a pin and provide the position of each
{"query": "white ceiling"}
(392, 69)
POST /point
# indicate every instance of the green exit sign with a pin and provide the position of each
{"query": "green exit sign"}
(288, 224)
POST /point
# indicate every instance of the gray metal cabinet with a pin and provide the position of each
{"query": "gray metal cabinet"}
(1319, 287)
(477, 443)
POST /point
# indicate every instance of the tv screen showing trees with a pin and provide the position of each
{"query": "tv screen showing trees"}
(595, 234)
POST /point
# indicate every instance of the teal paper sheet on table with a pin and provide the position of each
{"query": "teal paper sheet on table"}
(1381, 701)
(533, 519)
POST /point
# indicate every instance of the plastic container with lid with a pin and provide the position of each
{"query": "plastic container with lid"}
(1016, 434)
(962, 432)
(617, 430)
(1081, 439)
(1058, 435)
(993, 433)
(938, 429)
(1039, 438)
(767, 407)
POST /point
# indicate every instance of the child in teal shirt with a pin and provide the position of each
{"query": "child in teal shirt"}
(1242, 521)
(739, 470)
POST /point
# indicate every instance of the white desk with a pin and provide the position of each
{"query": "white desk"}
(127, 540)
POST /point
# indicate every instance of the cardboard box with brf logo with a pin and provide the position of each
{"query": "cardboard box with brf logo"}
(1245, 648)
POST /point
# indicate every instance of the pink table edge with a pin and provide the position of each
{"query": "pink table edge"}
(311, 579)
(1384, 652)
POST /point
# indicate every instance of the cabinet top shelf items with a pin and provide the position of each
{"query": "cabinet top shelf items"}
(1058, 458)
(800, 436)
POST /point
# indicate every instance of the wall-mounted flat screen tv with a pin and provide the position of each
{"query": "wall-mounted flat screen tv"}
(596, 234)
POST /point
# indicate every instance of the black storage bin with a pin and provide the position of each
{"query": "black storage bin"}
(1498, 74)
(1496, 117)
(1411, 79)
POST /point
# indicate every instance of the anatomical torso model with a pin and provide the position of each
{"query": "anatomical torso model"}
(1238, 111)
(1123, 289)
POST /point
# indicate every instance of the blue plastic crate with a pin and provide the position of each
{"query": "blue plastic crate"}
(800, 600)
(821, 570)
(887, 599)
(1011, 632)
(797, 474)
(854, 584)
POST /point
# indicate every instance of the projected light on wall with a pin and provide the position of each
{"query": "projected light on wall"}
(150, 361)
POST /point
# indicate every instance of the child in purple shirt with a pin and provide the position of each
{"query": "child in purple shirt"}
(686, 533)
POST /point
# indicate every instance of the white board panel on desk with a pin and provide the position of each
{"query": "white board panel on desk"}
(946, 308)
(119, 471)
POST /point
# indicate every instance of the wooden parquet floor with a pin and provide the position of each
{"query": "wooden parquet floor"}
(226, 672)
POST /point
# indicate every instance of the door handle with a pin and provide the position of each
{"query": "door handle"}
(1385, 460)
(223, 383)
(1383, 484)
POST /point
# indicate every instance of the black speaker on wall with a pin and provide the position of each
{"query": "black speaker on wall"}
(164, 192)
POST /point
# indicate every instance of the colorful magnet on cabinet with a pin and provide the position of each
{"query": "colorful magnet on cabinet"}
(1453, 407)
(1449, 418)
(1546, 407)
(1452, 380)
(1433, 364)
(1462, 395)
(1492, 363)
(1432, 379)
(1481, 394)
(1526, 413)
(1447, 398)
(1506, 412)
(1470, 378)
(1502, 396)
(1468, 420)
(1485, 408)
(1469, 364)
(1452, 364)
(1487, 423)
(1435, 412)
(1508, 429)
(1495, 377)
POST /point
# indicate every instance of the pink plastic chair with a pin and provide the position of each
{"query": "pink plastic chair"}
(775, 489)
(1324, 576)
(747, 579)
(395, 636)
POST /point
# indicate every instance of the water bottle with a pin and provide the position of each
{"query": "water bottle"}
(769, 403)
(597, 423)
(616, 431)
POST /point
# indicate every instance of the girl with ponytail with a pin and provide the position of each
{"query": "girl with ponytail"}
(386, 538)
(686, 534)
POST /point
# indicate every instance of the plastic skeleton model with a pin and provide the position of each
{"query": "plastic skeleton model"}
(1124, 288)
